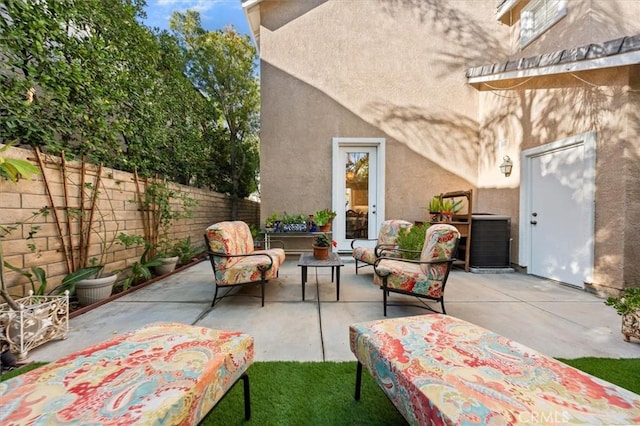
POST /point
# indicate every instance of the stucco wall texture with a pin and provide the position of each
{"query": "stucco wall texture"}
(367, 69)
(396, 69)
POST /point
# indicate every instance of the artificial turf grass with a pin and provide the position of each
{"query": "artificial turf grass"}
(624, 372)
(319, 393)
(6, 375)
(300, 393)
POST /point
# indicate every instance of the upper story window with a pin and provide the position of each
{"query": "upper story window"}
(538, 16)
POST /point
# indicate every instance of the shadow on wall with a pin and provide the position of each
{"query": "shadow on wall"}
(293, 11)
(459, 27)
(448, 139)
(305, 110)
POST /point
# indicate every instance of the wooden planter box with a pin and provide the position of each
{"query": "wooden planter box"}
(39, 320)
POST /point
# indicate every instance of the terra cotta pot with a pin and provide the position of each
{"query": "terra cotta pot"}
(321, 253)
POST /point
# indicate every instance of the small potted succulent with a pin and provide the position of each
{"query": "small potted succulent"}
(628, 306)
(271, 222)
(435, 207)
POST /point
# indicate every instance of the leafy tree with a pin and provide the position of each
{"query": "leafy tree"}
(84, 76)
(221, 66)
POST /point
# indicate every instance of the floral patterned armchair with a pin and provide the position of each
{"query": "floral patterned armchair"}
(426, 277)
(234, 260)
(387, 236)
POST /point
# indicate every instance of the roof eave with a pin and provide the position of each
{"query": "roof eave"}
(251, 10)
(516, 76)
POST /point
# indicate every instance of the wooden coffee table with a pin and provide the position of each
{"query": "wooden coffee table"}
(334, 262)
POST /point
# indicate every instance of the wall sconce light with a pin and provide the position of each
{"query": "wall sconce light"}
(506, 166)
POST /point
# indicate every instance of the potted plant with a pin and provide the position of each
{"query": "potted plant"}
(88, 279)
(411, 240)
(271, 222)
(140, 271)
(628, 306)
(435, 207)
(322, 246)
(168, 257)
(186, 251)
(86, 208)
(255, 233)
(161, 206)
(449, 207)
(294, 223)
(323, 219)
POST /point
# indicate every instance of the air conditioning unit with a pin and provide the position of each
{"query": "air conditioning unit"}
(490, 241)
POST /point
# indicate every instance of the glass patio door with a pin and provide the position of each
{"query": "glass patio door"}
(356, 193)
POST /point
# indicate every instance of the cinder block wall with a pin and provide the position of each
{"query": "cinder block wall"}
(117, 212)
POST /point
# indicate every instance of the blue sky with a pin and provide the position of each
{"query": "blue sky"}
(214, 14)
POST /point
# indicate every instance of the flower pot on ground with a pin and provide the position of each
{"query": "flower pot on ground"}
(93, 290)
(186, 252)
(167, 265)
(167, 256)
(627, 305)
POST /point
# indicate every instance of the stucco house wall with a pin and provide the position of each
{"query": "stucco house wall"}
(385, 69)
(551, 108)
(396, 69)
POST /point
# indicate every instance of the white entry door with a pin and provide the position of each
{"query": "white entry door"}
(559, 216)
(358, 189)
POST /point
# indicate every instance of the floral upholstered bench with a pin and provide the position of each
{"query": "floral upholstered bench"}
(438, 369)
(164, 373)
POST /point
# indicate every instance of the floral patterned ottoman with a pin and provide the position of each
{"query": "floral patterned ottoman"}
(437, 369)
(164, 373)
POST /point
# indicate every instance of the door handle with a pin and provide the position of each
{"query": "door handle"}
(534, 222)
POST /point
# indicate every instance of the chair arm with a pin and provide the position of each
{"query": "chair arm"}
(415, 262)
(381, 249)
(385, 249)
(361, 239)
(220, 254)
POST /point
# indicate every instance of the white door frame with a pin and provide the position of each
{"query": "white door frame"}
(338, 179)
(587, 139)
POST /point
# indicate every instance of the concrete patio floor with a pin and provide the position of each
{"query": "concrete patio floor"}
(554, 319)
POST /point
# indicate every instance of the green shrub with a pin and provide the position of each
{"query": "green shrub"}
(628, 301)
(412, 239)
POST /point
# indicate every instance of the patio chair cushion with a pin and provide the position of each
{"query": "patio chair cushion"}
(437, 369)
(440, 243)
(245, 264)
(388, 235)
(423, 278)
(163, 373)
